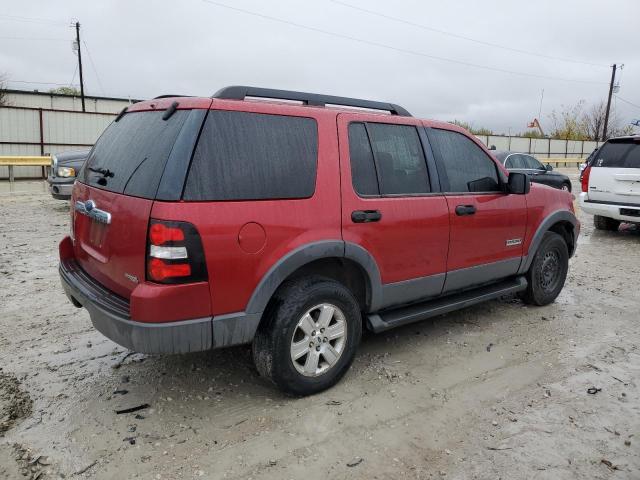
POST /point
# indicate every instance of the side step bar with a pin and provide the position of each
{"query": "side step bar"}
(381, 321)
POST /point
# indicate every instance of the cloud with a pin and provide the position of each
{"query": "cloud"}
(143, 49)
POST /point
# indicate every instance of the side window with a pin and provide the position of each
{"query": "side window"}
(363, 170)
(516, 161)
(532, 163)
(462, 164)
(253, 156)
(510, 163)
(400, 162)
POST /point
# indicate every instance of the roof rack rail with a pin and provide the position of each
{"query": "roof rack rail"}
(169, 96)
(239, 92)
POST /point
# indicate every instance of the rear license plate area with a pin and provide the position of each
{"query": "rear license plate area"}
(97, 232)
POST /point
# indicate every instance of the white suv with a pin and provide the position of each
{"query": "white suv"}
(611, 185)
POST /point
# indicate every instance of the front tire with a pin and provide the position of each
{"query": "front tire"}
(309, 336)
(605, 223)
(548, 271)
(566, 187)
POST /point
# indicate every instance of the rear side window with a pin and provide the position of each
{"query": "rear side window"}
(253, 156)
(619, 154)
(387, 159)
(462, 164)
(130, 156)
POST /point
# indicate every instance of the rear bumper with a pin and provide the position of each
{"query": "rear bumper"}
(110, 316)
(616, 211)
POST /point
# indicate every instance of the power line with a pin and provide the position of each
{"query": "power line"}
(463, 37)
(19, 18)
(93, 66)
(37, 83)
(396, 49)
(36, 38)
(627, 101)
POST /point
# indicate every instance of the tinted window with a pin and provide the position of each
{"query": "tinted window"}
(130, 156)
(462, 163)
(619, 154)
(363, 170)
(253, 156)
(399, 159)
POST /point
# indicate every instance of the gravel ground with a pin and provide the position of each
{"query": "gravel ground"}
(494, 391)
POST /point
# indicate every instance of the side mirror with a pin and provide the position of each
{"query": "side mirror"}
(548, 167)
(518, 183)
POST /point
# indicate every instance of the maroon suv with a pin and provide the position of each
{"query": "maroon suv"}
(292, 221)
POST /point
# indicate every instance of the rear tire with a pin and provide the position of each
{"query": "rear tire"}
(606, 223)
(566, 186)
(548, 271)
(294, 347)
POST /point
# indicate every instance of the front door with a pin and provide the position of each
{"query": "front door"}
(390, 205)
(487, 225)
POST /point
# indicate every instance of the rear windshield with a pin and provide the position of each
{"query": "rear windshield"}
(131, 154)
(619, 154)
(253, 156)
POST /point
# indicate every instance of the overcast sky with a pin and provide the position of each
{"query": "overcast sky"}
(141, 49)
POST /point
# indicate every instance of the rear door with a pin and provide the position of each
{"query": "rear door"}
(487, 225)
(615, 172)
(391, 204)
(114, 194)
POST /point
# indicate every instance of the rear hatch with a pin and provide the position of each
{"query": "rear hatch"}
(615, 173)
(139, 156)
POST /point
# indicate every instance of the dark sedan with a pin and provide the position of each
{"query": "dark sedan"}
(64, 168)
(537, 172)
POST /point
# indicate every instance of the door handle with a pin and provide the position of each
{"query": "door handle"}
(462, 210)
(365, 216)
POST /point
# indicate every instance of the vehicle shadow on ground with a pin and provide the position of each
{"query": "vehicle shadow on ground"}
(230, 374)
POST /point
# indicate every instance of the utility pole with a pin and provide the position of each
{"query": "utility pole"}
(80, 65)
(606, 115)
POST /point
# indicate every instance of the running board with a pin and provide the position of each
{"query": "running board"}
(381, 321)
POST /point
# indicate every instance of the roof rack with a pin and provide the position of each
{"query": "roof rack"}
(239, 92)
(169, 96)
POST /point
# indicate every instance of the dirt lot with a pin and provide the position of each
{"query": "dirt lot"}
(494, 391)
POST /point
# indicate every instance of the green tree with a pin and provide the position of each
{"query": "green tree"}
(71, 91)
(472, 129)
(530, 134)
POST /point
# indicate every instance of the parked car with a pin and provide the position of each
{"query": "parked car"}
(588, 161)
(611, 184)
(201, 223)
(537, 172)
(64, 168)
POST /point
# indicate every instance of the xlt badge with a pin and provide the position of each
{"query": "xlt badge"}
(514, 241)
(133, 278)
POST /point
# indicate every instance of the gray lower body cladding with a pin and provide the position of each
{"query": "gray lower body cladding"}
(110, 316)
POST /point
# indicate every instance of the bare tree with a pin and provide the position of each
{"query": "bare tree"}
(3, 93)
(580, 123)
(594, 123)
(568, 123)
(594, 120)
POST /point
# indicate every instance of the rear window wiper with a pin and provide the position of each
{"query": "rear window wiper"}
(105, 172)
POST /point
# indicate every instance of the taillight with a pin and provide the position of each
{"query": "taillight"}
(585, 179)
(174, 253)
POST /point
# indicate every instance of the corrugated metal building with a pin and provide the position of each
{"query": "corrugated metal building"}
(39, 123)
